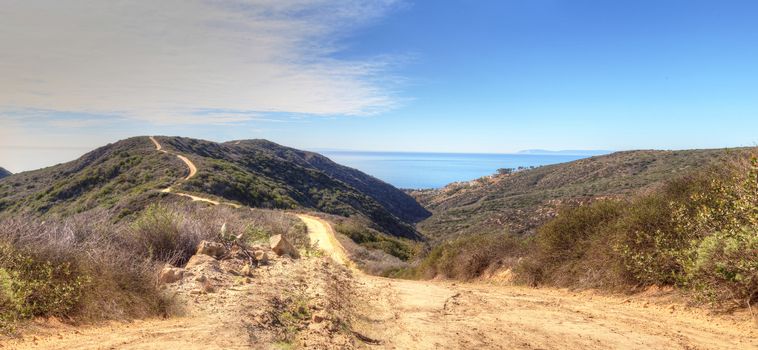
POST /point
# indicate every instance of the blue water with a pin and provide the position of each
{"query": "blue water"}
(434, 170)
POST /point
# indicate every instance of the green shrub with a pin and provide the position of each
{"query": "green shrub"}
(467, 258)
(726, 199)
(369, 238)
(658, 232)
(726, 267)
(567, 237)
(157, 230)
(31, 287)
(574, 245)
(650, 246)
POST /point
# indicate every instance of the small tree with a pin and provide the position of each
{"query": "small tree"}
(505, 171)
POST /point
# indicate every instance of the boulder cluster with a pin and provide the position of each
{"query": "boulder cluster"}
(210, 256)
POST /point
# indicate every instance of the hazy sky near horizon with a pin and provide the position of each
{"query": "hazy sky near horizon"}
(391, 75)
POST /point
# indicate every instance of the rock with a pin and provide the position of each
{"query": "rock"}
(207, 286)
(201, 259)
(236, 252)
(316, 326)
(281, 246)
(213, 249)
(171, 274)
(261, 256)
(246, 270)
(318, 317)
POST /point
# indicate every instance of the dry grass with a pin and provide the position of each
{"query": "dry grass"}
(372, 261)
(467, 258)
(76, 267)
(87, 268)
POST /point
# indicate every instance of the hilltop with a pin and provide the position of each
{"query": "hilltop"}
(4, 173)
(125, 175)
(521, 201)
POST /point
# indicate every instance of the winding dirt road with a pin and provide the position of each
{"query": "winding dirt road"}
(321, 234)
(405, 314)
(192, 172)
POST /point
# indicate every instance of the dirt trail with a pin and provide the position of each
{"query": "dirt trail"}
(206, 332)
(192, 172)
(321, 234)
(444, 315)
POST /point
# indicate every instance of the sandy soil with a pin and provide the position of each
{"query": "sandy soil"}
(321, 234)
(439, 315)
(404, 314)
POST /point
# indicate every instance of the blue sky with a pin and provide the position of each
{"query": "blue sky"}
(445, 76)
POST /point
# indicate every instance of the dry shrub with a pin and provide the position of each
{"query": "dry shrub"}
(89, 268)
(359, 232)
(726, 267)
(372, 261)
(573, 247)
(171, 232)
(696, 232)
(467, 258)
(72, 267)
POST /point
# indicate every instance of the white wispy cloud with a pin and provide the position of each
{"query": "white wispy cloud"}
(173, 61)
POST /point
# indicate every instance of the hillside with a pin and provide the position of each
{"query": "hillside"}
(4, 173)
(257, 173)
(398, 203)
(521, 201)
(260, 173)
(121, 176)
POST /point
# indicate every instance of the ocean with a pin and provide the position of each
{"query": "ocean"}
(434, 170)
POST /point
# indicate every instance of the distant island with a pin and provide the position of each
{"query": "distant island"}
(566, 152)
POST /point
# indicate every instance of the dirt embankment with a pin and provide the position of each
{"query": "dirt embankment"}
(282, 303)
